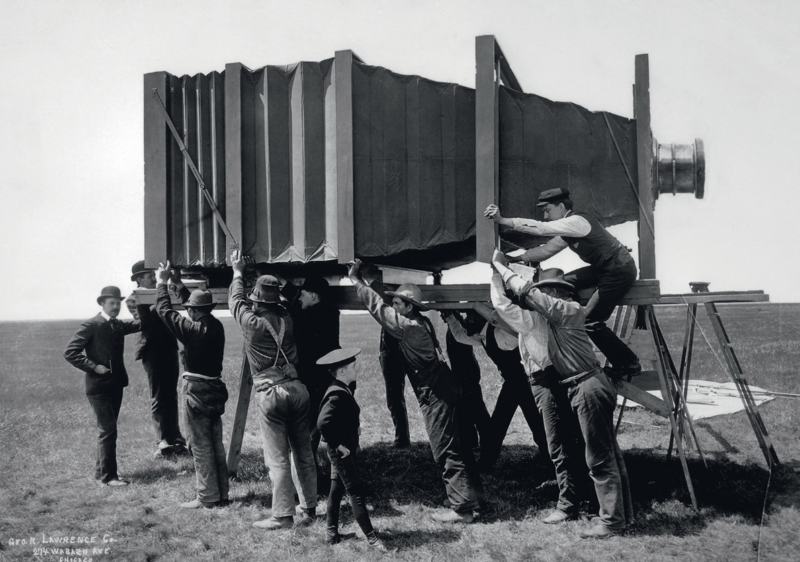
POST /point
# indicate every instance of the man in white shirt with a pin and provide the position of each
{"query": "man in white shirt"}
(611, 268)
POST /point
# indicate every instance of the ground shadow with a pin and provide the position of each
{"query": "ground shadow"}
(170, 468)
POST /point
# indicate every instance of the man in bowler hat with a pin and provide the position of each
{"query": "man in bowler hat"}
(157, 348)
(611, 268)
(97, 349)
(204, 393)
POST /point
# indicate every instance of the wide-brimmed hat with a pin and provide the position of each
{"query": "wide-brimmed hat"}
(409, 293)
(267, 290)
(200, 299)
(338, 358)
(139, 268)
(315, 284)
(110, 292)
(553, 277)
(552, 196)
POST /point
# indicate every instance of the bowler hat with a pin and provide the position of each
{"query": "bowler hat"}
(553, 277)
(266, 290)
(552, 196)
(338, 357)
(409, 293)
(139, 268)
(110, 292)
(315, 284)
(200, 299)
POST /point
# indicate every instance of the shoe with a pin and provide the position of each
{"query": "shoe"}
(453, 517)
(197, 504)
(115, 483)
(179, 449)
(446, 503)
(599, 531)
(557, 517)
(224, 503)
(308, 517)
(630, 370)
(275, 523)
(376, 543)
(402, 444)
(333, 536)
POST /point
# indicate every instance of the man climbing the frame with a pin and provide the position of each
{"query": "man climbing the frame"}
(611, 268)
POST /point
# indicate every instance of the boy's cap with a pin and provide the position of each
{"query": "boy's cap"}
(552, 196)
(338, 357)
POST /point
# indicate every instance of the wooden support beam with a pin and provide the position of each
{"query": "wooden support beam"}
(343, 93)
(240, 418)
(156, 172)
(233, 152)
(487, 146)
(644, 162)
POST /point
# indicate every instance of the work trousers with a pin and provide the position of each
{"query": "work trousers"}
(393, 368)
(208, 452)
(475, 420)
(106, 410)
(438, 395)
(515, 393)
(564, 444)
(593, 402)
(283, 417)
(613, 279)
(162, 378)
(345, 477)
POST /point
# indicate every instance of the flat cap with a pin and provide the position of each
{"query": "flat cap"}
(552, 196)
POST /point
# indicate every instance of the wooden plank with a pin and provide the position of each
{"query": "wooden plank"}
(233, 151)
(156, 171)
(240, 419)
(486, 146)
(644, 161)
(343, 85)
(716, 297)
(636, 394)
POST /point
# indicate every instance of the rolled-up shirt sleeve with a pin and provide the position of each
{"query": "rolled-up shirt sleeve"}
(516, 318)
(386, 316)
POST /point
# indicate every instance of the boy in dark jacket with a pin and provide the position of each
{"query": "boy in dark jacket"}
(338, 422)
(97, 349)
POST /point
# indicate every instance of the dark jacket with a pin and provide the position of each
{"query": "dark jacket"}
(316, 333)
(338, 419)
(206, 396)
(96, 343)
(203, 341)
(155, 340)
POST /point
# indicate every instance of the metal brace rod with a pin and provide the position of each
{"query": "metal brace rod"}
(196, 172)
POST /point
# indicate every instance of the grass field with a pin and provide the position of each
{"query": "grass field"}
(47, 492)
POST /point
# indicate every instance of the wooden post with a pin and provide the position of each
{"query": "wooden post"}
(233, 152)
(343, 88)
(644, 161)
(156, 172)
(240, 419)
(487, 145)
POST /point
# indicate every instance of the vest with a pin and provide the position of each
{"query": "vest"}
(596, 247)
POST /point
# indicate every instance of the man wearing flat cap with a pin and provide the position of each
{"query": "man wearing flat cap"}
(97, 349)
(204, 394)
(283, 402)
(435, 386)
(611, 268)
(157, 348)
(590, 395)
(316, 333)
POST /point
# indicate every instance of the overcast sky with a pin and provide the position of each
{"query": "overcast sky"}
(71, 153)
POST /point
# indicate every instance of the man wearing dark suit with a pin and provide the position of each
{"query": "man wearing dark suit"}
(157, 348)
(97, 348)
